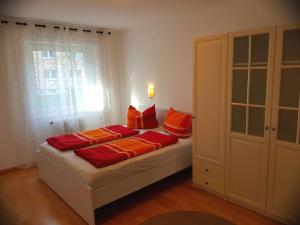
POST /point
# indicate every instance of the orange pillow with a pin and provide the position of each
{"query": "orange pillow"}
(178, 123)
(144, 120)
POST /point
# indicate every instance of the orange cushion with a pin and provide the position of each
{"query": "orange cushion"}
(144, 120)
(178, 123)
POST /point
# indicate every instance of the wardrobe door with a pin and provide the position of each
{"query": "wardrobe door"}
(250, 75)
(284, 175)
(210, 70)
(210, 76)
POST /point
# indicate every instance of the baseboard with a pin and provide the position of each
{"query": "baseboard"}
(8, 170)
(15, 168)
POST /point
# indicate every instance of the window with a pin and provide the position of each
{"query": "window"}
(50, 74)
(67, 82)
(51, 87)
(48, 54)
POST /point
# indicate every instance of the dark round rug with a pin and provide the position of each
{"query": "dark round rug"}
(186, 218)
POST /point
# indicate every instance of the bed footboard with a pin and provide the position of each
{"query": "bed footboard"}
(75, 193)
(83, 199)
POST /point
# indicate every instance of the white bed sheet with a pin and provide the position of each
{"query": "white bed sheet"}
(98, 177)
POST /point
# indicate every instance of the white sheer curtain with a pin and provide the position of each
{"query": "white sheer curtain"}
(58, 81)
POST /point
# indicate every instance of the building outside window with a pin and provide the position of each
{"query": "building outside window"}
(48, 54)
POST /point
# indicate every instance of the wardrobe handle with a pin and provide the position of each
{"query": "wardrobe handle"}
(206, 170)
(267, 128)
(273, 129)
(206, 183)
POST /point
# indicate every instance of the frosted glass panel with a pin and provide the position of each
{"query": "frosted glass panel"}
(287, 125)
(241, 49)
(238, 119)
(291, 47)
(256, 121)
(258, 85)
(259, 49)
(290, 87)
(239, 86)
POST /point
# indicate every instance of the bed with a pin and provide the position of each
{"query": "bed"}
(86, 188)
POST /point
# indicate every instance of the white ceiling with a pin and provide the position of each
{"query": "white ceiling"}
(118, 14)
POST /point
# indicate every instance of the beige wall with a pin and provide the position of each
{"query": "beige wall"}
(161, 52)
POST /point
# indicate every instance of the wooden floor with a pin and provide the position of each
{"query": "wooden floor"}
(26, 200)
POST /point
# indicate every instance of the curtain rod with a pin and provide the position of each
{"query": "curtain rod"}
(57, 27)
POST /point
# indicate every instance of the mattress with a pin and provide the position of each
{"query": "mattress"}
(99, 177)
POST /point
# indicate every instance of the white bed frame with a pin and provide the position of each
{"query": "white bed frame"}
(84, 199)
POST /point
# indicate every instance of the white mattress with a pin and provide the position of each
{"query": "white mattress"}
(96, 178)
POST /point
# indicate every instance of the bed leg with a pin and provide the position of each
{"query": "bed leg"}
(88, 212)
(91, 218)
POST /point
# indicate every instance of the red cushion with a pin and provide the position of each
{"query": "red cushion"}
(144, 120)
(178, 123)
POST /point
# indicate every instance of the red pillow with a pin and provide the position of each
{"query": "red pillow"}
(178, 123)
(144, 120)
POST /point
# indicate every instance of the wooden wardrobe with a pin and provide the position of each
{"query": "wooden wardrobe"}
(246, 128)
